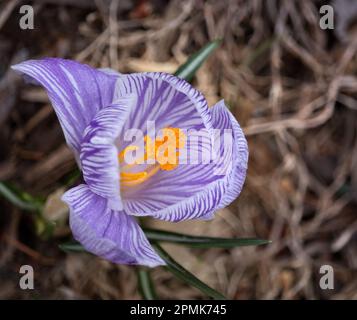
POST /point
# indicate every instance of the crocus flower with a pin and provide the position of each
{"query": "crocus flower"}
(95, 108)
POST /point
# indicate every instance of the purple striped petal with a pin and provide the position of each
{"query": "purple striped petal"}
(99, 154)
(110, 234)
(77, 92)
(223, 118)
(165, 99)
(194, 191)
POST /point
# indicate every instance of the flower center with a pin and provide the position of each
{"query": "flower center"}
(159, 154)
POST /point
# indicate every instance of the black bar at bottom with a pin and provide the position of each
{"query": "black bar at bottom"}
(171, 309)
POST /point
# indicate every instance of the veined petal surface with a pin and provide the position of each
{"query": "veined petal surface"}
(77, 92)
(110, 234)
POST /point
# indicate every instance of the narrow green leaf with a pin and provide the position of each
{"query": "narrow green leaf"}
(145, 284)
(179, 271)
(24, 201)
(189, 68)
(184, 275)
(72, 246)
(184, 239)
(72, 177)
(201, 242)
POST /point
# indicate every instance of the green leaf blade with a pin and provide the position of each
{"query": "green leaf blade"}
(201, 242)
(186, 276)
(146, 286)
(189, 68)
(155, 235)
(71, 246)
(24, 201)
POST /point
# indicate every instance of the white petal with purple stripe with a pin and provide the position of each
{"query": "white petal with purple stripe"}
(110, 234)
(194, 191)
(165, 99)
(77, 92)
(99, 154)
